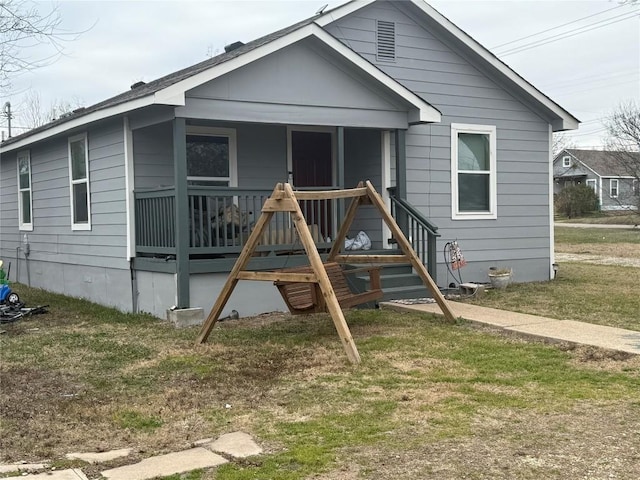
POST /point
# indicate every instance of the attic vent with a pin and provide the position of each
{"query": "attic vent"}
(137, 85)
(233, 46)
(386, 36)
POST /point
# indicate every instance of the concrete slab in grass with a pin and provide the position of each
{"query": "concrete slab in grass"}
(165, 465)
(71, 474)
(186, 317)
(99, 457)
(22, 467)
(236, 444)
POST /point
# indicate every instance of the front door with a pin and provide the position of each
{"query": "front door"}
(311, 158)
(312, 166)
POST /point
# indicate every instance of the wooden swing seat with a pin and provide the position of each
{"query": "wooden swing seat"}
(304, 298)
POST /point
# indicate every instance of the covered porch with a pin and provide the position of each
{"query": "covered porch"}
(198, 224)
(303, 109)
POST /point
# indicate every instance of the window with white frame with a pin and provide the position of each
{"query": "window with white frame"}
(25, 207)
(79, 183)
(473, 172)
(613, 188)
(566, 161)
(211, 156)
(591, 182)
(636, 187)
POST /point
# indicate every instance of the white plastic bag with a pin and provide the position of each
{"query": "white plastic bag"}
(361, 242)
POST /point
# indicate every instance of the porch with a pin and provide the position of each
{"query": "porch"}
(220, 220)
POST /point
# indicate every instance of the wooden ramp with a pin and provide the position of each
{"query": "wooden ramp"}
(284, 199)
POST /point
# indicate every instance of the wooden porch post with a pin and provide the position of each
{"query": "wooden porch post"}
(340, 172)
(401, 178)
(182, 211)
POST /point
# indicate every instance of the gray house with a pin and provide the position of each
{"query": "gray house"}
(143, 201)
(600, 170)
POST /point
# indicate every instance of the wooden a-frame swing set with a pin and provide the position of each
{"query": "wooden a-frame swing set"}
(284, 199)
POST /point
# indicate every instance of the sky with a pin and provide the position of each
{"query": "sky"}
(585, 55)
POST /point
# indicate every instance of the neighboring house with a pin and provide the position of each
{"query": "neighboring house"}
(143, 201)
(598, 169)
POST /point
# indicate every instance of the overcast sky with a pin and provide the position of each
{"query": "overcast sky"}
(589, 72)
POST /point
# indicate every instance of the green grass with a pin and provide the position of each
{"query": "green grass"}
(605, 219)
(74, 384)
(88, 378)
(599, 294)
(575, 236)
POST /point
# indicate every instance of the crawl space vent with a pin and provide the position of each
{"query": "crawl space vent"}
(386, 35)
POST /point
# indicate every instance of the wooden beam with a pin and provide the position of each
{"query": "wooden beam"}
(405, 246)
(329, 194)
(278, 205)
(358, 258)
(323, 281)
(278, 276)
(232, 279)
(345, 225)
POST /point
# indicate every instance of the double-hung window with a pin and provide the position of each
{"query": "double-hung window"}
(566, 161)
(592, 183)
(473, 172)
(79, 183)
(613, 188)
(25, 208)
(211, 156)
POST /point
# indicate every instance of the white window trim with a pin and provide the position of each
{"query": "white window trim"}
(593, 183)
(611, 187)
(27, 227)
(230, 133)
(72, 182)
(490, 130)
(566, 161)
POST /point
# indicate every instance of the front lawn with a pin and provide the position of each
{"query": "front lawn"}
(430, 399)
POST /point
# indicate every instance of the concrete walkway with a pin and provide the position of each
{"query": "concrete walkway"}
(236, 445)
(541, 327)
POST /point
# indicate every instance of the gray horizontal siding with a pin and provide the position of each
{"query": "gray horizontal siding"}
(438, 69)
(153, 156)
(52, 239)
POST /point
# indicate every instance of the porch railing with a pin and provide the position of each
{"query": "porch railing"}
(420, 232)
(221, 220)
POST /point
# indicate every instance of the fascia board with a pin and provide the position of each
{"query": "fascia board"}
(175, 92)
(565, 121)
(342, 11)
(79, 122)
(569, 122)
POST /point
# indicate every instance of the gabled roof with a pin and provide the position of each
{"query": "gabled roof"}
(565, 121)
(170, 89)
(603, 163)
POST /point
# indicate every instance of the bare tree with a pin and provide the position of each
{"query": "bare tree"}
(23, 27)
(623, 143)
(31, 112)
(560, 142)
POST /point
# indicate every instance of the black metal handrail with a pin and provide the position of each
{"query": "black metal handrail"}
(422, 234)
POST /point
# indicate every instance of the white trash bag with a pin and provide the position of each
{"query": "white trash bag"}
(361, 242)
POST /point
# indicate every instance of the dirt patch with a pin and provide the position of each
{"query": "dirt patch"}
(595, 442)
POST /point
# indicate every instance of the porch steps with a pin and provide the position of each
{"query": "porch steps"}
(397, 280)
